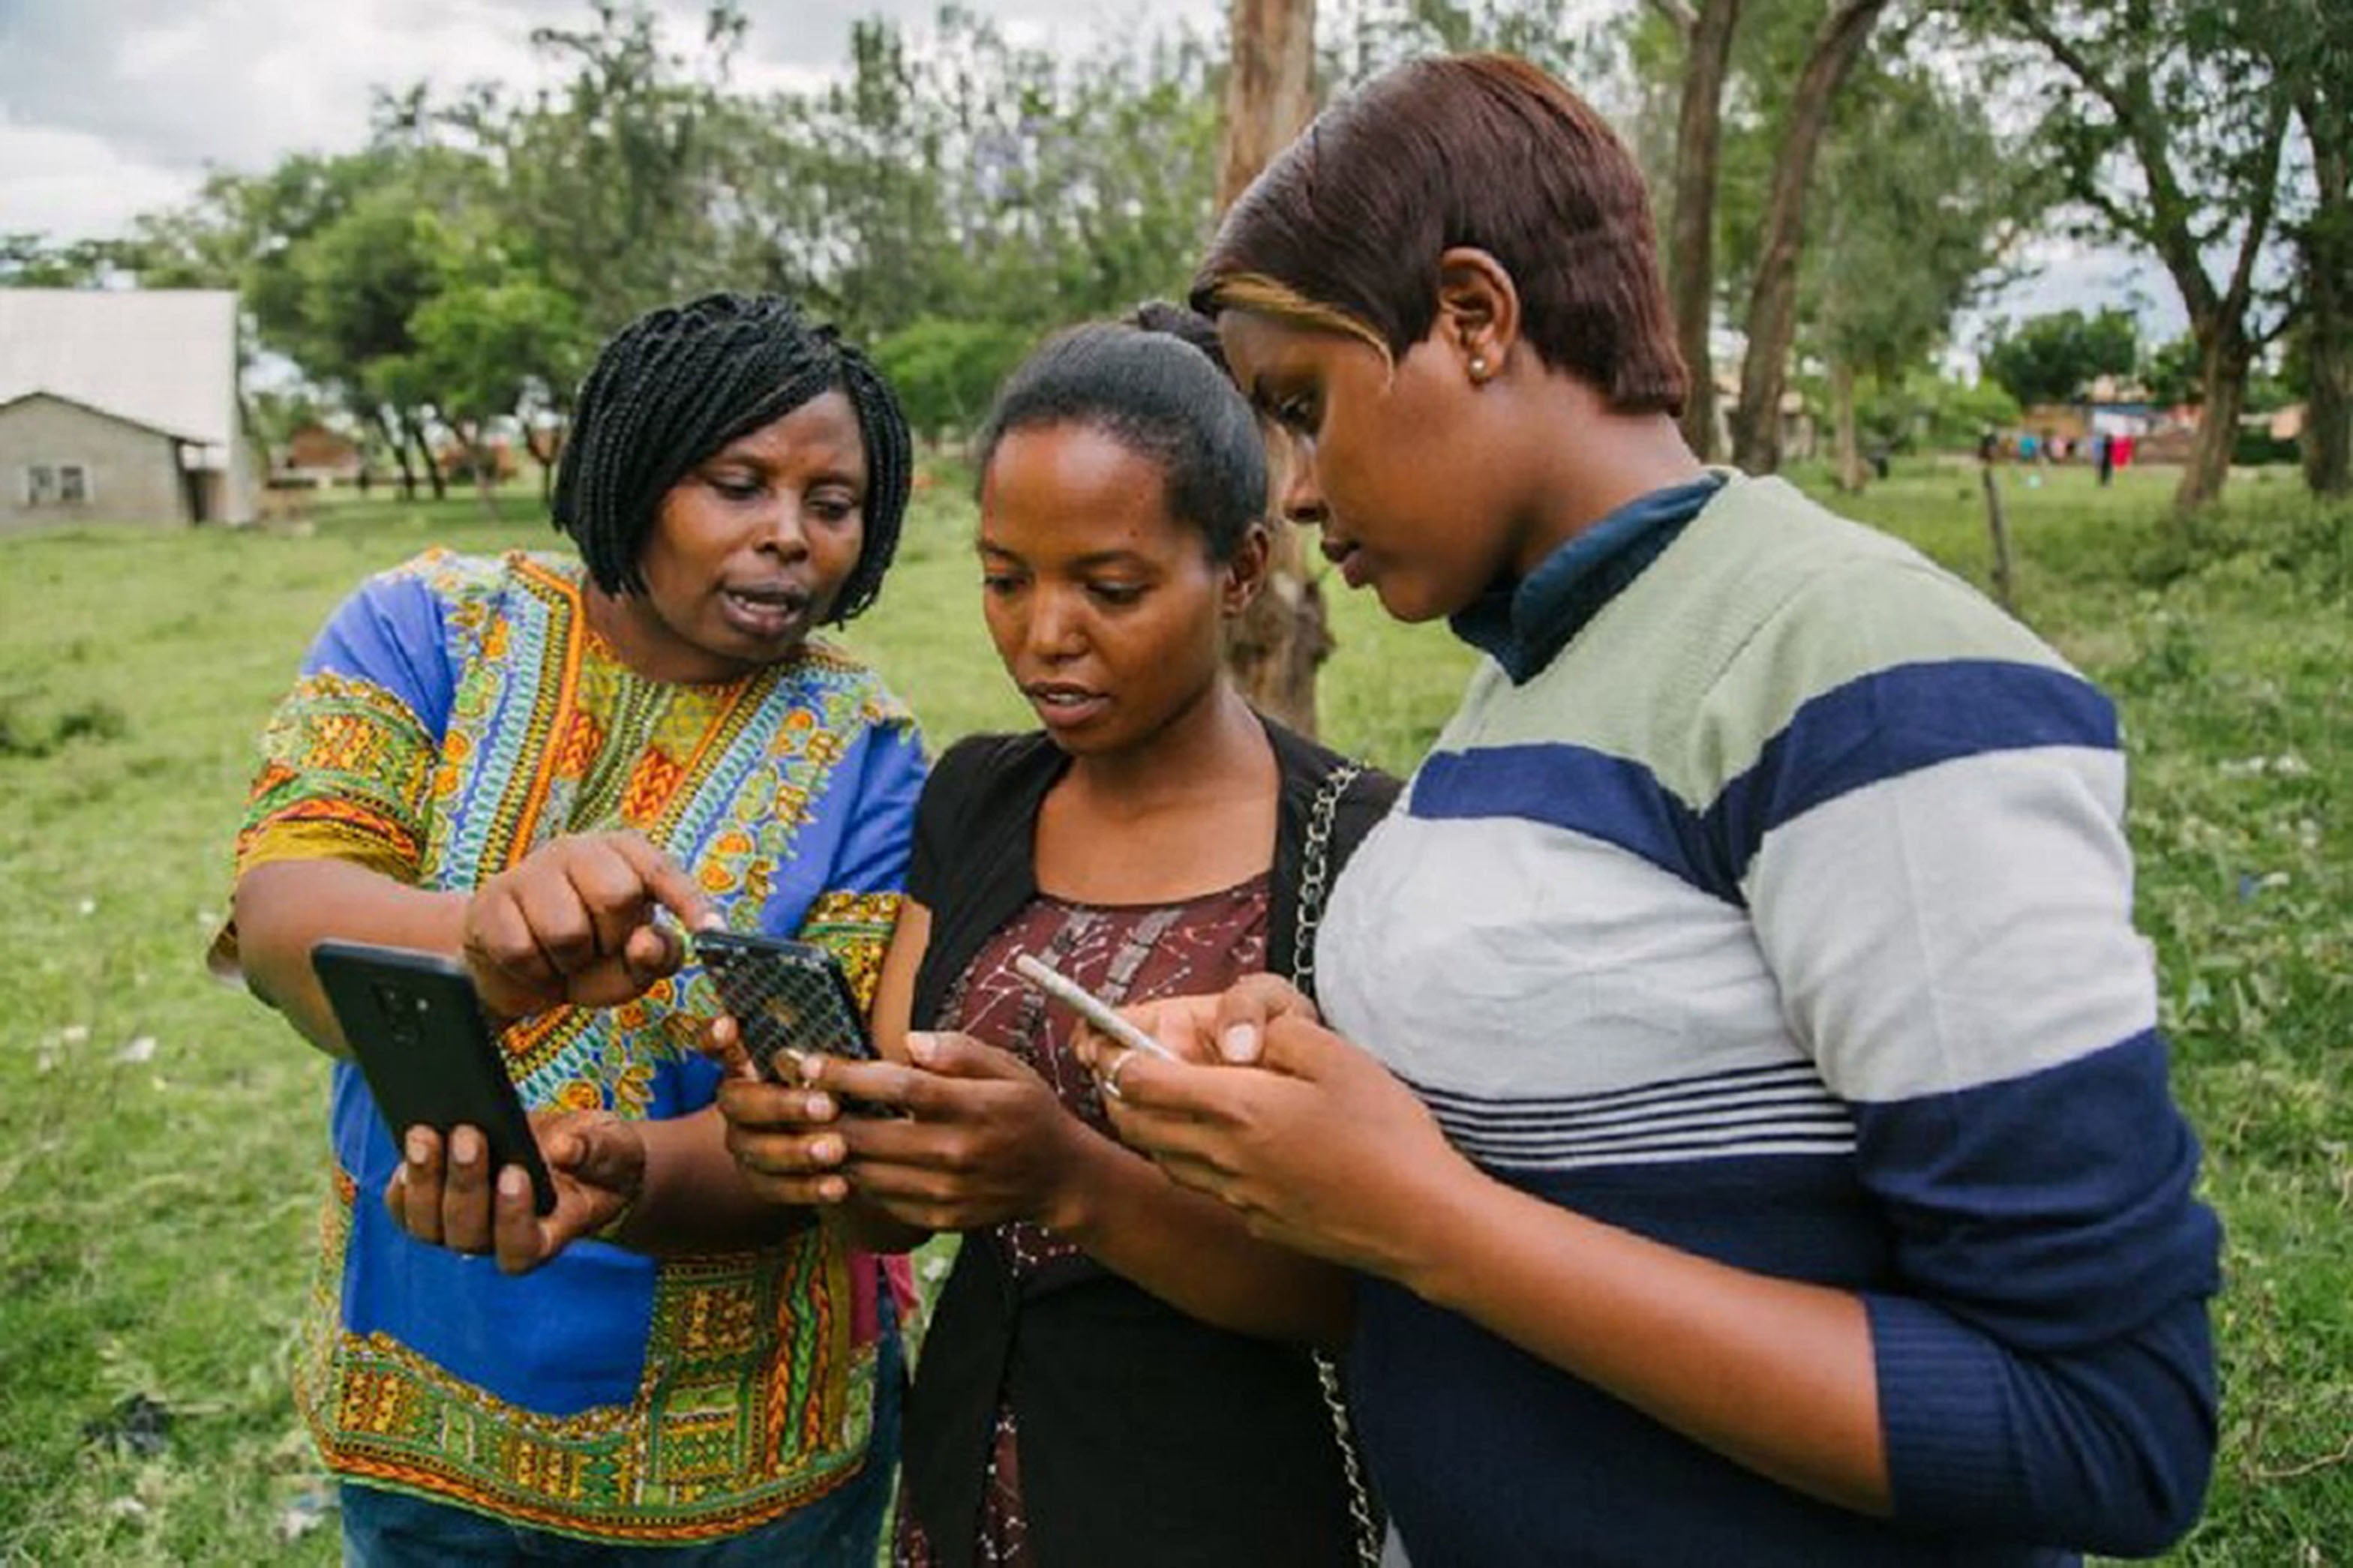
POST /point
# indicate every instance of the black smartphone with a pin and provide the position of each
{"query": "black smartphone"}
(417, 1031)
(791, 999)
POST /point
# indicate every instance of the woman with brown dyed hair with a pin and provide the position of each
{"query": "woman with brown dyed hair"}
(1737, 1080)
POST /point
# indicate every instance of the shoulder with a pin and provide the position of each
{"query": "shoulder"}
(1309, 768)
(851, 691)
(1790, 578)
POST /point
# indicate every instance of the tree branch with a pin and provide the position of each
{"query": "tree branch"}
(2030, 21)
(2259, 218)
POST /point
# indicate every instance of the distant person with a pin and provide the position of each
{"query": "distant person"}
(1988, 446)
(1733, 1069)
(2103, 453)
(1115, 1374)
(519, 760)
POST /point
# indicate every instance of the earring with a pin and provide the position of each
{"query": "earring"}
(1478, 367)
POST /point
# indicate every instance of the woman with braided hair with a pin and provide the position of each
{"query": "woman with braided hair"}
(522, 762)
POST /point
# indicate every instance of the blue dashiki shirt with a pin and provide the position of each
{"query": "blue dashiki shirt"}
(456, 713)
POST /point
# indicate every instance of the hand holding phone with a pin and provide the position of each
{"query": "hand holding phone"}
(1088, 1005)
(416, 1029)
(789, 999)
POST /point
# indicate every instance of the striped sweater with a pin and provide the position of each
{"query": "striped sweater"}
(1784, 915)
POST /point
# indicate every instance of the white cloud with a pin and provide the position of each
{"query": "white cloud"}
(114, 108)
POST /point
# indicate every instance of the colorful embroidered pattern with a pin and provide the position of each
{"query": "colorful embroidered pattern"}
(753, 1390)
(754, 1405)
(343, 761)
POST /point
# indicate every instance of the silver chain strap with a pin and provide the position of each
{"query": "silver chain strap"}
(1315, 879)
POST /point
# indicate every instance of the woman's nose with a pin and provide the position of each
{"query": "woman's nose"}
(783, 529)
(1301, 498)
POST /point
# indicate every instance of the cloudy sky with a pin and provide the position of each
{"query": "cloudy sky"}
(112, 108)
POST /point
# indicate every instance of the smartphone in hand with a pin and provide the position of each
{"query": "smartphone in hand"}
(791, 999)
(417, 1031)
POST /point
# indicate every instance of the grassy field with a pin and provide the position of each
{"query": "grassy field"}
(160, 1136)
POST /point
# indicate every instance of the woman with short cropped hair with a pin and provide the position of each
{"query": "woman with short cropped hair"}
(1736, 1077)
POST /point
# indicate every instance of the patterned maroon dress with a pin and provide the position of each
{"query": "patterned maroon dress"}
(1122, 953)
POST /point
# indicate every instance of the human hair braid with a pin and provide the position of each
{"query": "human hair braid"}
(682, 381)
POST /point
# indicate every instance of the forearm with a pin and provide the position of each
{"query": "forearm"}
(286, 908)
(695, 1199)
(1195, 1253)
(1774, 1374)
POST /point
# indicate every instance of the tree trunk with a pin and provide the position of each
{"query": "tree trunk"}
(1282, 637)
(1270, 98)
(397, 440)
(545, 450)
(1849, 460)
(1269, 88)
(1773, 299)
(1691, 246)
(2329, 309)
(2223, 376)
(416, 434)
(484, 463)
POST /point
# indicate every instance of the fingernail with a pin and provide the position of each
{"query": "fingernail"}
(820, 1107)
(922, 1048)
(826, 1150)
(417, 1150)
(1239, 1042)
(465, 1146)
(833, 1189)
(512, 1182)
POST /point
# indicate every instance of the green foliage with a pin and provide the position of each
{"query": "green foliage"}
(946, 370)
(1925, 412)
(2055, 358)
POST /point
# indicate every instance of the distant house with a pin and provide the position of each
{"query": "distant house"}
(314, 455)
(120, 406)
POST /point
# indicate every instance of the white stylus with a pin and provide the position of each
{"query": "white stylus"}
(1062, 988)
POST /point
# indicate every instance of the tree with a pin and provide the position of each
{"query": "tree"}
(30, 260)
(946, 370)
(1707, 31)
(2054, 358)
(2165, 122)
(2310, 44)
(1772, 316)
(1285, 634)
(1928, 200)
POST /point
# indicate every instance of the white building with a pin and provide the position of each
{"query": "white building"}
(120, 406)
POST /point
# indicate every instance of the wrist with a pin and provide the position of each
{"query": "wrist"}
(1437, 1231)
(1073, 1205)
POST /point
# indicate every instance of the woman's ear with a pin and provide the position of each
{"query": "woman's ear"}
(1245, 570)
(1478, 313)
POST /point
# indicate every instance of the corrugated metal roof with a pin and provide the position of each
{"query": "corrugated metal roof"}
(165, 357)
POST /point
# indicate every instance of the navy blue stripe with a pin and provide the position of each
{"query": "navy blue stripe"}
(1553, 1113)
(1745, 1116)
(1613, 799)
(1733, 1080)
(1894, 721)
(1815, 1141)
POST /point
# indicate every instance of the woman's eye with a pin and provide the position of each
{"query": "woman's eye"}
(1296, 414)
(834, 508)
(1117, 593)
(999, 583)
(735, 486)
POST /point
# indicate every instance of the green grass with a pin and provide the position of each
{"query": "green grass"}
(157, 1202)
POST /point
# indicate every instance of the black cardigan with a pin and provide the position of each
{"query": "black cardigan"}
(1147, 1437)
